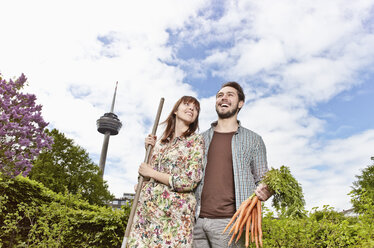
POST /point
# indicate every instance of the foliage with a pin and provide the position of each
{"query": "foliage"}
(33, 216)
(366, 219)
(22, 134)
(319, 228)
(364, 183)
(288, 198)
(68, 167)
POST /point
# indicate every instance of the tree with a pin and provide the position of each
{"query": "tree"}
(31, 215)
(364, 184)
(22, 134)
(68, 167)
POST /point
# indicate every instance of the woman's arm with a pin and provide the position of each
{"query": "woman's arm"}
(147, 171)
(188, 173)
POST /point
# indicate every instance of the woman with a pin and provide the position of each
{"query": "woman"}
(165, 213)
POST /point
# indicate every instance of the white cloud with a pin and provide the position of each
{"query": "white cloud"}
(306, 53)
(56, 45)
(290, 56)
(262, 55)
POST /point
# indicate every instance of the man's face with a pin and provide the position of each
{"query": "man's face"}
(227, 102)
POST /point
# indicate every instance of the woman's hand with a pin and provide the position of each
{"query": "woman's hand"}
(136, 186)
(146, 170)
(150, 140)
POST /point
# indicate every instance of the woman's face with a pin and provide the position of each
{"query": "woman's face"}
(186, 112)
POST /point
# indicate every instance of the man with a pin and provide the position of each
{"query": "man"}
(235, 162)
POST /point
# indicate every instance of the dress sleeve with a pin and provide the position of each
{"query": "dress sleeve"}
(188, 171)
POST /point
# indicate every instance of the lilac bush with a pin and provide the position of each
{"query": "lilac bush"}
(22, 134)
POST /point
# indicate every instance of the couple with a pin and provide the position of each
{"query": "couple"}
(205, 176)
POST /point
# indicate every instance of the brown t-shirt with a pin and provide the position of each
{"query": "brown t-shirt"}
(218, 196)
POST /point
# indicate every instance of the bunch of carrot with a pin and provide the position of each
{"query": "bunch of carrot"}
(248, 215)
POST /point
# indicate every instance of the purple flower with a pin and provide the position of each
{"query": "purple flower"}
(24, 142)
(23, 126)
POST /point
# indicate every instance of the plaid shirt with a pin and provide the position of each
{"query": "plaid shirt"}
(248, 159)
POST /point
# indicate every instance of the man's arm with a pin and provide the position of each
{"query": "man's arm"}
(262, 191)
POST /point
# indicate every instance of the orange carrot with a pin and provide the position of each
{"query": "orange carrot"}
(247, 231)
(259, 222)
(236, 214)
(237, 223)
(232, 228)
(241, 216)
(240, 234)
(239, 220)
(244, 221)
(233, 235)
(256, 227)
(232, 220)
(248, 214)
(253, 226)
(240, 210)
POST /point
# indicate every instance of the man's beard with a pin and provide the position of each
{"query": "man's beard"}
(228, 114)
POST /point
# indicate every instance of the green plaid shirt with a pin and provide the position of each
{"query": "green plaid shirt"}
(248, 159)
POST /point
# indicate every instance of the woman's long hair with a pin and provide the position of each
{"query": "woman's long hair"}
(170, 120)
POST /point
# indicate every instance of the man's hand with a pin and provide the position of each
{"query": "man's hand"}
(263, 193)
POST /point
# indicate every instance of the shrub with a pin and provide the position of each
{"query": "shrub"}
(33, 216)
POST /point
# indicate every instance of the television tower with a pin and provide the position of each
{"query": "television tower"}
(108, 124)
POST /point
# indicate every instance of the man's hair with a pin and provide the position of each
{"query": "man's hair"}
(238, 88)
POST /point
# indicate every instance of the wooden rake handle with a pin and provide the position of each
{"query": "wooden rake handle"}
(141, 179)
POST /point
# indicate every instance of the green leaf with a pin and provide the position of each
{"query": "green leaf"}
(288, 198)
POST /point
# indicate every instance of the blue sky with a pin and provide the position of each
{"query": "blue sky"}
(349, 112)
(306, 68)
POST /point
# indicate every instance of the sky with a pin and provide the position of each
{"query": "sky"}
(307, 69)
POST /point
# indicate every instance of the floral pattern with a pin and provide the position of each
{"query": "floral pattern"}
(164, 216)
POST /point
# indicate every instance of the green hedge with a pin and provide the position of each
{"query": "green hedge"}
(321, 228)
(33, 216)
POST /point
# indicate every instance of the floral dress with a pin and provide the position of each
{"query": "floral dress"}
(164, 216)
